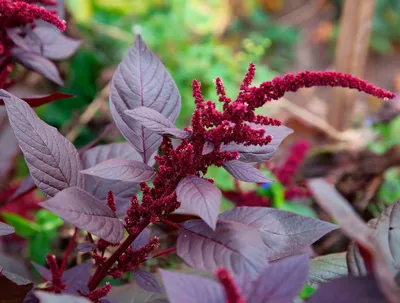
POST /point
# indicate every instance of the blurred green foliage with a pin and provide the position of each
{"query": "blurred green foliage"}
(39, 233)
(389, 191)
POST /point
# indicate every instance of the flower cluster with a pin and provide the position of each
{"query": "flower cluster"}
(131, 259)
(17, 14)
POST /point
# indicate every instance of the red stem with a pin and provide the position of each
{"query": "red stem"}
(173, 224)
(68, 251)
(90, 237)
(102, 271)
(164, 252)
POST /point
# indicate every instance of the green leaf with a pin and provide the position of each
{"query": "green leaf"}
(306, 292)
(40, 245)
(23, 227)
(47, 221)
(222, 178)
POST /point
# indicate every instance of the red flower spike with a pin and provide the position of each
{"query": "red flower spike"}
(97, 294)
(111, 201)
(198, 97)
(57, 283)
(292, 163)
(231, 290)
(16, 13)
(248, 79)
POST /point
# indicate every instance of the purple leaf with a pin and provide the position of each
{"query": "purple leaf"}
(122, 170)
(156, 122)
(280, 281)
(348, 290)
(86, 247)
(37, 63)
(146, 280)
(326, 268)
(99, 187)
(255, 153)
(245, 172)
(191, 288)
(52, 160)
(141, 240)
(48, 297)
(200, 197)
(142, 80)
(81, 209)
(283, 233)
(232, 245)
(102, 153)
(207, 148)
(44, 40)
(6, 229)
(77, 277)
(43, 271)
(123, 191)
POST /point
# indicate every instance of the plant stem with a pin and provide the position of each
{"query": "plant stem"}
(68, 251)
(101, 271)
(173, 224)
(164, 252)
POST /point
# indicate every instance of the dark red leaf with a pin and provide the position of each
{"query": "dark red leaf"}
(13, 287)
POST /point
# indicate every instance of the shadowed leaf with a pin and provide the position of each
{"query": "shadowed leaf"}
(146, 280)
(13, 287)
(141, 240)
(37, 63)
